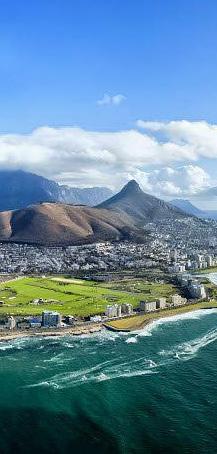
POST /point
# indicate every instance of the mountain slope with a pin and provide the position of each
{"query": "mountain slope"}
(20, 189)
(120, 217)
(189, 208)
(60, 224)
(142, 207)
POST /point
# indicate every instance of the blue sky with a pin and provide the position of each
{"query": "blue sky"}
(59, 58)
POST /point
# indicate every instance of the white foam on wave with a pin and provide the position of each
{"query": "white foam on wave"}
(192, 315)
(188, 350)
(18, 343)
(6, 346)
(131, 340)
(104, 371)
(54, 358)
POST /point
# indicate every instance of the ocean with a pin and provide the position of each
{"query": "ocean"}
(151, 391)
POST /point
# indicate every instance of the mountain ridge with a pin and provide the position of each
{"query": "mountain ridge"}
(142, 207)
(191, 209)
(123, 216)
(19, 189)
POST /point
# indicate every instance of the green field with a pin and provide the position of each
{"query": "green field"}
(75, 297)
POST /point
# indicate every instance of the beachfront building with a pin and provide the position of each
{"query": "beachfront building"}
(96, 318)
(161, 303)
(8, 323)
(113, 310)
(177, 300)
(148, 306)
(197, 290)
(11, 322)
(51, 318)
(127, 308)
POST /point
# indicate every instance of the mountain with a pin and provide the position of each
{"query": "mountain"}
(189, 208)
(140, 206)
(61, 224)
(123, 216)
(20, 189)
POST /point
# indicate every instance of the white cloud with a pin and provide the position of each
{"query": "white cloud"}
(111, 100)
(182, 181)
(79, 157)
(192, 139)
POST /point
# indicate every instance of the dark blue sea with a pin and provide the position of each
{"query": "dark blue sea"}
(153, 391)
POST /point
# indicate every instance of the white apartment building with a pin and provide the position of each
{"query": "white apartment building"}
(148, 306)
(177, 300)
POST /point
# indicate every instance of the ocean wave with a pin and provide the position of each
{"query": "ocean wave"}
(131, 340)
(123, 366)
(187, 350)
(101, 372)
(17, 344)
(192, 315)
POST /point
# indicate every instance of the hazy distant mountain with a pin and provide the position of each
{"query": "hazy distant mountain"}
(207, 193)
(142, 207)
(189, 208)
(19, 189)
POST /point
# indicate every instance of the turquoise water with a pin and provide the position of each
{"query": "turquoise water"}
(153, 391)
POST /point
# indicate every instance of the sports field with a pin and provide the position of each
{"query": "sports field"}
(74, 297)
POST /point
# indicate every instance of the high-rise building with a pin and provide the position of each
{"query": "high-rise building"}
(127, 308)
(113, 310)
(51, 318)
(11, 322)
(177, 300)
(161, 303)
(148, 306)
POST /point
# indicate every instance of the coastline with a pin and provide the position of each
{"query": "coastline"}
(140, 321)
(95, 328)
(74, 331)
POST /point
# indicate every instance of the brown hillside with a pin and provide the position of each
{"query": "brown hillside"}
(52, 223)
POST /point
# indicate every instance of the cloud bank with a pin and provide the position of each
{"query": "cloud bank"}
(78, 157)
(176, 182)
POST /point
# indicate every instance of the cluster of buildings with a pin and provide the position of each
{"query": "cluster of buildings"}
(117, 310)
(179, 262)
(49, 319)
(177, 246)
(161, 303)
(192, 286)
(25, 259)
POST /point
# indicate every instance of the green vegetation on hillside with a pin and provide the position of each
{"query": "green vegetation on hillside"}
(75, 297)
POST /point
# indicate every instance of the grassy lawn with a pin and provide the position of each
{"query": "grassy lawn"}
(149, 290)
(137, 322)
(75, 297)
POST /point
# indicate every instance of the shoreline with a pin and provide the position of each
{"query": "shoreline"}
(153, 317)
(79, 331)
(74, 331)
